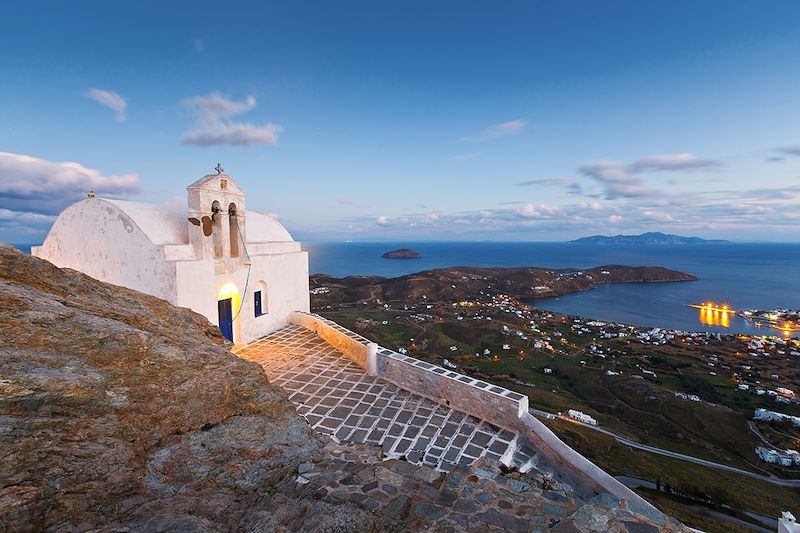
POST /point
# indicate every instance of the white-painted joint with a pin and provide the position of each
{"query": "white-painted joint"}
(372, 359)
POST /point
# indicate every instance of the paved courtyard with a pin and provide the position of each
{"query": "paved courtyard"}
(338, 398)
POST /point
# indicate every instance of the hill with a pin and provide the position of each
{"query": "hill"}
(465, 283)
(649, 239)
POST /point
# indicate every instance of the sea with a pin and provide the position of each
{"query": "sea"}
(741, 275)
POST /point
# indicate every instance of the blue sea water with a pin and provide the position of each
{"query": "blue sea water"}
(745, 276)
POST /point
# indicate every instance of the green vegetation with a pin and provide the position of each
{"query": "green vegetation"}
(695, 481)
(642, 409)
(630, 401)
(692, 515)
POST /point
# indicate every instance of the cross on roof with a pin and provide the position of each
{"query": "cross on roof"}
(219, 168)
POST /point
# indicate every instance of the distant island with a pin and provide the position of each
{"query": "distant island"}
(402, 253)
(648, 239)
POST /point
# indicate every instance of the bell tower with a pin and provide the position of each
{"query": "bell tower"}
(216, 213)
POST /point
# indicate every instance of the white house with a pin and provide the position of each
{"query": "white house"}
(581, 417)
(783, 458)
(787, 523)
(240, 269)
(763, 414)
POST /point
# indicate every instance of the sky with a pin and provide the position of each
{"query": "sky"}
(412, 121)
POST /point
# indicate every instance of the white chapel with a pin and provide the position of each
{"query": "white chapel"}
(239, 268)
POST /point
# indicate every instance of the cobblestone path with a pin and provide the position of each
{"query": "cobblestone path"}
(338, 398)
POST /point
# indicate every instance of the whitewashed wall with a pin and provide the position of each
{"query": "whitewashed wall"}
(97, 238)
(285, 276)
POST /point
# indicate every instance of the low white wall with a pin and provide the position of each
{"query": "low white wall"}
(353, 346)
(483, 400)
(556, 450)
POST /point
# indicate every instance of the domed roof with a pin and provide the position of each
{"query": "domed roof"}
(160, 223)
(265, 228)
(164, 225)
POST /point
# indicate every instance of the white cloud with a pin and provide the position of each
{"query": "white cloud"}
(774, 210)
(498, 130)
(467, 157)
(25, 216)
(616, 178)
(619, 178)
(214, 125)
(32, 184)
(528, 210)
(685, 161)
(346, 202)
(23, 226)
(234, 135)
(658, 215)
(791, 149)
(571, 184)
(111, 100)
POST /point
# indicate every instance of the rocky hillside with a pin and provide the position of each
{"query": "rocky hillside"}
(116, 407)
(120, 412)
(464, 283)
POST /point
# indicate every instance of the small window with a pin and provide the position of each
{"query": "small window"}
(223, 184)
(257, 303)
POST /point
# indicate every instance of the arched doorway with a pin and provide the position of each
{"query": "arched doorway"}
(228, 304)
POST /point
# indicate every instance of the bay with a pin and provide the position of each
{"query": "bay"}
(742, 275)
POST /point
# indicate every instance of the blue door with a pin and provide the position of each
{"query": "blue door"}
(224, 309)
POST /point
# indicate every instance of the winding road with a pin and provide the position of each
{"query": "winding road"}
(794, 483)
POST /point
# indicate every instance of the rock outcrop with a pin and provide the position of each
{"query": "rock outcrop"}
(116, 407)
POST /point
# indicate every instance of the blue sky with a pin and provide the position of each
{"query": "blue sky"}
(412, 120)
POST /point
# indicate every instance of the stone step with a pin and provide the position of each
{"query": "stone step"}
(521, 455)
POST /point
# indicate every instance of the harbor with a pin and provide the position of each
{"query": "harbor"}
(785, 321)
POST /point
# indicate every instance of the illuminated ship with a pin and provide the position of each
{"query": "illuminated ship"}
(711, 306)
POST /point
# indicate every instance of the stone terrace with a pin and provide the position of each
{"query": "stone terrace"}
(339, 399)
